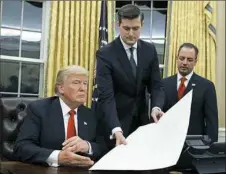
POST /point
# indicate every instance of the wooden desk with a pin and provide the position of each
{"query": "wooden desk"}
(22, 168)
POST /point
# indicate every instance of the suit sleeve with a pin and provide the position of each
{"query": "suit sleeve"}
(211, 113)
(155, 85)
(99, 147)
(106, 92)
(166, 100)
(27, 146)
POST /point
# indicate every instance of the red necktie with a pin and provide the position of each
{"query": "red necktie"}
(181, 88)
(71, 131)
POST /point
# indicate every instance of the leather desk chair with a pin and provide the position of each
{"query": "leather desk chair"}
(12, 113)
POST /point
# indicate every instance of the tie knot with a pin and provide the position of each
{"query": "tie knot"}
(183, 79)
(131, 49)
(71, 112)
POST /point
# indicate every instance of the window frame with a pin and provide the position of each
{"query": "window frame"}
(43, 48)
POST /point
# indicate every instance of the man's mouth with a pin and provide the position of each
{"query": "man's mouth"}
(130, 38)
(184, 68)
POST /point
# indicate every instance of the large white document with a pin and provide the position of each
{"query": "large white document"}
(153, 146)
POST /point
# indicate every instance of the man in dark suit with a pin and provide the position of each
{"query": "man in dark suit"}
(125, 68)
(204, 114)
(60, 130)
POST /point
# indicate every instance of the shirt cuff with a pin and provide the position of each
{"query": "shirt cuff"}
(156, 108)
(116, 129)
(52, 160)
(90, 152)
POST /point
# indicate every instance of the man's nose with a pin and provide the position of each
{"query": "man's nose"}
(83, 87)
(131, 31)
(185, 62)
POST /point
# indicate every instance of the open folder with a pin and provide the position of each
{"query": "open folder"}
(153, 146)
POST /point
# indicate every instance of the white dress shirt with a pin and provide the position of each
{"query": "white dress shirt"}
(53, 158)
(188, 77)
(128, 52)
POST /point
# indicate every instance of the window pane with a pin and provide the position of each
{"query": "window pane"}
(161, 72)
(9, 76)
(31, 44)
(159, 24)
(32, 16)
(161, 58)
(8, 95)
(9, 42)
(143, 4)
(160, 4)
(160, 47)
(30, 78)
(145, 31)
(119, 4)
(11, 13)
(116, 25)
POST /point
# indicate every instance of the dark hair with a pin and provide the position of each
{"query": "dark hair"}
(189, 45)
(129, 11)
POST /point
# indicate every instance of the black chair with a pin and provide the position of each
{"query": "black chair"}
(12, 114)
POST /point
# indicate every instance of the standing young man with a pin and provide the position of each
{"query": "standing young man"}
(125, 68)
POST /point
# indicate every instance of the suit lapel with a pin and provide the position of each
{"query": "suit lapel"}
(139, 66)
(174, 87)
(124, 61)
(56, 117)
(82, 123)
(191, 84)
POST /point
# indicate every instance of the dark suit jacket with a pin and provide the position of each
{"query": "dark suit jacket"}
(121, 96)
(204, 114)
(43, 131)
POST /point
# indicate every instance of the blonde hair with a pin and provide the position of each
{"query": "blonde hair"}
(66, 71)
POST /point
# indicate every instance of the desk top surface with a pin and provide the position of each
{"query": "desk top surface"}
(22, 168)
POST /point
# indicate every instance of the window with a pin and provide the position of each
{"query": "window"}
(154, 29)
(22, 48)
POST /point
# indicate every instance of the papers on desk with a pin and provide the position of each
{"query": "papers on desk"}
(153, 146)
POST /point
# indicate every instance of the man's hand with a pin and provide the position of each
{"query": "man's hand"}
(68, 157)
(156, 114)
(78, 144)
(120, 139)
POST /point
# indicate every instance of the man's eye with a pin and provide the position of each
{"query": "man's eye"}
(135, 29)
(181, 58)
(127, 28)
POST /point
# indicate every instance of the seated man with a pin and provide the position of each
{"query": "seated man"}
(204, 114)
(60, 130)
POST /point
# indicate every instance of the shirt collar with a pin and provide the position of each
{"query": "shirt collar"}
(188, 77)
(127, 47)
(65, 108)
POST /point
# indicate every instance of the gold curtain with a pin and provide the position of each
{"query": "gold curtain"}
(73, 38)
(195, 22)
